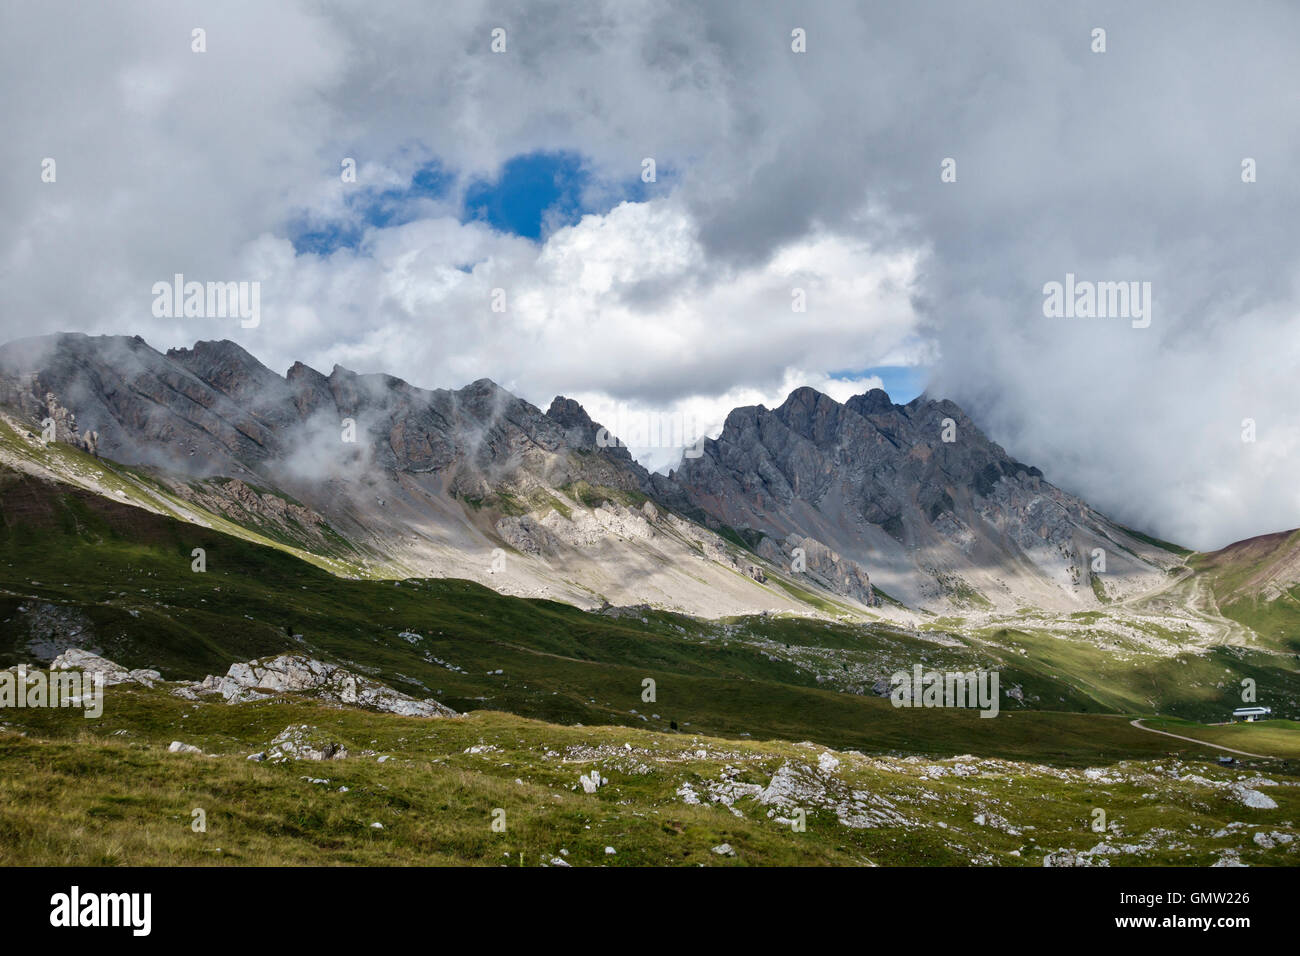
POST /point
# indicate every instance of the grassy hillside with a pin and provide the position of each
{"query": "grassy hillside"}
(1256, 582)
(136, 486)
(71, 560)
(107, 792)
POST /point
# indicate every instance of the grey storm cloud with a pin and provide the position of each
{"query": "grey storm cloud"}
(814, 169)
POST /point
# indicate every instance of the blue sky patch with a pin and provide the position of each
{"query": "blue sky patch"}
(371, 208)
(902, 382)
(532, 195)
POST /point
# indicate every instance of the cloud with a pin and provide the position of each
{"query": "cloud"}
(617, 304)
(659, 434)
(778, 170)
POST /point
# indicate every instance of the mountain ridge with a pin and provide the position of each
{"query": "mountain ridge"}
(785, 509)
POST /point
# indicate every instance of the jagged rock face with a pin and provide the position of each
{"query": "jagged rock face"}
(600, 458)
(584, 434)
(577, 424)
(404, 428)
(887, 463)
(947, 521)
(804, 555)
(240, 500)
(146, 408)
(428, 479)
(24, 393)
(215, 410)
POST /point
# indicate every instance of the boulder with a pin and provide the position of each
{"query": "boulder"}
(76, 659)
(295, 674)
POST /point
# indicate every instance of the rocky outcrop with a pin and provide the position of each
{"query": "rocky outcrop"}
(293, 674)
(55, 628)
(527, 534)
(64, 422)
(76, 659)
(259, 680)
(251, 506)
(26, 392)
(581, 432)
(301, 742)
(803, 555)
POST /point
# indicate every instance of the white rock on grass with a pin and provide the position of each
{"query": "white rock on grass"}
(688, 794)
(1068, 857)
(1269, 840)
(724, 849)
(177, 747)
(258, 680)
(1254, 799)
(290, 673)
(796, 785)
(1228, 858)
(302, 742)
(75, 659)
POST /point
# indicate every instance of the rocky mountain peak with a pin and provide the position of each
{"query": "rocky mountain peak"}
(212, 350)
(301, 372)
(227, 367)
(583, 433)
(873, 402)
(569, 413)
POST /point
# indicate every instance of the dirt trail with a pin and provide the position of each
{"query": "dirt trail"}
(1138, 725)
